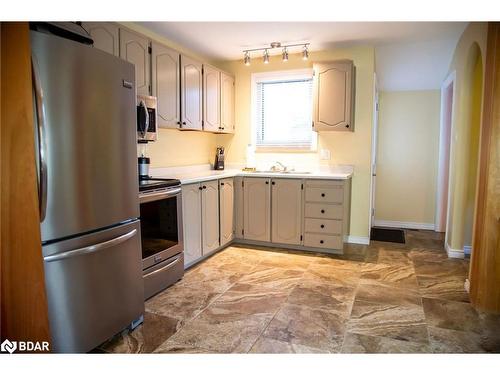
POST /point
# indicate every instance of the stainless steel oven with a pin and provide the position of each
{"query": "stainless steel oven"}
(161, 235)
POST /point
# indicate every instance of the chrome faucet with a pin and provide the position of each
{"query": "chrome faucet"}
(277, 165)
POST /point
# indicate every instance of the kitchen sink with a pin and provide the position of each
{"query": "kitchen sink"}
(281, 172)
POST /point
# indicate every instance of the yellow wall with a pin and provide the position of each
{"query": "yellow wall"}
(346, 147)
(407, 156)
(470, 47)
(174, 147)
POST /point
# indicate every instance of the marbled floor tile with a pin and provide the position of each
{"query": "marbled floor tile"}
(397, 275)
(180, 302)
(335, 274)
(288, 261)
(490, 338)
(272, 277)
(458, 316)
(424, 239)
(427, 255)
(232, 262)
(450, 341)
(270, 346)
(209, 277)
(401, 322)
(145, 338)
(424, 234)
(373, 291)
(322, 296)
(216, 330)
(393, 256)
(445, 268)
(449, 288)
(355, 343)
(173, 348)
(300, 325)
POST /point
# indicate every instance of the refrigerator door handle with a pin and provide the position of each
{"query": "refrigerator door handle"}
(40, 116)
(91, 248)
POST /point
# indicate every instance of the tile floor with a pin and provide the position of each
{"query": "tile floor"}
(381, 298)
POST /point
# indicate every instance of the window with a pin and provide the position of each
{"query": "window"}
(283, 111)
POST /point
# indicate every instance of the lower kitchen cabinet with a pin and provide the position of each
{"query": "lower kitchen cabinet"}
(238, 207)
(209, 216)
(286, 213)
(257, 209)
(226, 207)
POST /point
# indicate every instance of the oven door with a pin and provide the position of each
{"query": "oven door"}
(161, 225)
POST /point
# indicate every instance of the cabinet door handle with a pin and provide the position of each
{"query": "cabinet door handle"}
(322, 211)
(322, 194)
(267, 182)
(204, 187)
(200, 188)
(322, 225)
(321, 241)
(222, 183)
(183, 122)
(273, 183)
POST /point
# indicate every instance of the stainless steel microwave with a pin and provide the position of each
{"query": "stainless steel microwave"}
(147, 130)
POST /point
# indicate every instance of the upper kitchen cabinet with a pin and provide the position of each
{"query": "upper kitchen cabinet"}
(191, 94)
(333, 96)
(135, 49)
(211, 99)
(227, 103)
(105, 36)
(166, 84)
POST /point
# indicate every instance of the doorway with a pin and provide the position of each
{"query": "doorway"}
(374, 150)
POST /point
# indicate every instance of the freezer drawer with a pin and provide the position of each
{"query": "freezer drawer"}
(94, 287)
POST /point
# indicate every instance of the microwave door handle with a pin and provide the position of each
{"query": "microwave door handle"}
(42, 151)
(146, 118)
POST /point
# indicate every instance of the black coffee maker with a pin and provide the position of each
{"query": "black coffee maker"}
(219, 159)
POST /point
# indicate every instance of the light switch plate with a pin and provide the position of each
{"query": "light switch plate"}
(324, 154)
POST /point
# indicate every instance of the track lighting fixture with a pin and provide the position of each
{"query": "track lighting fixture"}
(273, 45)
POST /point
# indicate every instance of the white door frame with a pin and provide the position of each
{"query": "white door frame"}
(373, 166)
(444, 168)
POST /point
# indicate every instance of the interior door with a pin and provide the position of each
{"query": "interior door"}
(227, 103)
(210, 216)
(257, 209)
(191, 94)
(134, 48)
(286, 211)
(211, 99)
(333, 96)
(166, 84)
(105, 36)
(191, 215)
(226, 201)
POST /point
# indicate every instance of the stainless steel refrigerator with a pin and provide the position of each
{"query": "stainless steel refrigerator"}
(88, 186)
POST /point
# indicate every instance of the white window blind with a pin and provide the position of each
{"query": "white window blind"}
(284, 113)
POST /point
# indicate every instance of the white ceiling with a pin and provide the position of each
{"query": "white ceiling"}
(409, 55)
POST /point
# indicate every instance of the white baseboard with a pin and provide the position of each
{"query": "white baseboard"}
(467, 250)
(358, 240)
(403, 224)
(454, 253)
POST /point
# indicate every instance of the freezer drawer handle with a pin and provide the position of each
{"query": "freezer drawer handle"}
(92, 248)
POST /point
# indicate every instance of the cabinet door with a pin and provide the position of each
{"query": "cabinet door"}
(166, 84)
(227, 103)
(191, 93)
(238, 207)
(210, 216)
(191, 216)
(211, 99)
(226, 202)
(257, 209)
(333, 96)
(135, 49)
(286, 211)
(105, 36)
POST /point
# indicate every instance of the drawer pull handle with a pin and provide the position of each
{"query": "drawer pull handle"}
(321, 241)
(322, 211)
(322, 225)
(322, 194)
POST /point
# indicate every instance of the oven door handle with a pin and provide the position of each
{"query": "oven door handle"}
(144, 198)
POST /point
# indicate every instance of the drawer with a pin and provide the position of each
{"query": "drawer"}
(323, 240)
(334, 194)
(323, 226)
(324, 183)
(324, 211)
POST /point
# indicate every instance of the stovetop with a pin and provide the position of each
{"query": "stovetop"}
(153, 183)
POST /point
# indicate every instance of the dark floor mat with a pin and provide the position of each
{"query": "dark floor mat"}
(388, 235)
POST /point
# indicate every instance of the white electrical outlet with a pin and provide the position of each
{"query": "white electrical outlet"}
(324, 154)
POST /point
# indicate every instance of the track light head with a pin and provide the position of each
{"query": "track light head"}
(285, 55)
(305, 53)
(266, 57)
(247, 58)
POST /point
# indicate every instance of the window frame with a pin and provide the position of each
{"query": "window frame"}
(277, 76)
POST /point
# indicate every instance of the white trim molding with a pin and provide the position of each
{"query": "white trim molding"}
(403, 224)
(454, 253)
(358, 240)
